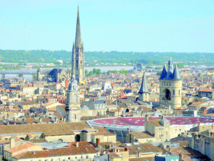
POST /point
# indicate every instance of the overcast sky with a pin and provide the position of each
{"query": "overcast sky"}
(122, 25)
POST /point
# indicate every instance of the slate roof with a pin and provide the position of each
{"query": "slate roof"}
(167, 74)
(143, 87)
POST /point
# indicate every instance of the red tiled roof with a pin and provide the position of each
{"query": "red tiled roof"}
(22, 147)
(83, 148)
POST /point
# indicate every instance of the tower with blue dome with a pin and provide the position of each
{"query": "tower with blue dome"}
(170, 83)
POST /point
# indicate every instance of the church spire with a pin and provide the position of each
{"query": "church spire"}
(144, 87)
(78, 42)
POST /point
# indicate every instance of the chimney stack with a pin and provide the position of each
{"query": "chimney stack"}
(160, 117)
(97, 142)
(77, 144)
(146, 117)
(180, 157)
(12, 142)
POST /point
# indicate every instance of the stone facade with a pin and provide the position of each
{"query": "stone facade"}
(174, 87)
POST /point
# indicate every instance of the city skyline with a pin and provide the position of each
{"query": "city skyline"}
(167, 26)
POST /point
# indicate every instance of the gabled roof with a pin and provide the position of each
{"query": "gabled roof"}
(52, 129)
(83, 148)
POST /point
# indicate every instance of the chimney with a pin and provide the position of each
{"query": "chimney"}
(97, 142)
(40, 120)
(77, 144)
(180, 157)
(160, 117)
(126, 149)
(12, 142)
(170, 151)
(146, 117)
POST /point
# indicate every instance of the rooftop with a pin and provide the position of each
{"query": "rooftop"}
(140, 121)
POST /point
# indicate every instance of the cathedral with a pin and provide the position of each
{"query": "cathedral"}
(78, 55)
(170, 86)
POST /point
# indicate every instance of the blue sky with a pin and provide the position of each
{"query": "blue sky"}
(122, 25)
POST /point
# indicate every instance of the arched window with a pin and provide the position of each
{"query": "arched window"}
(77, 138)
(60, 140)
(127, 110)
(167, 95)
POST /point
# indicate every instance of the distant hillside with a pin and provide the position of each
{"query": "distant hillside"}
(91, 58)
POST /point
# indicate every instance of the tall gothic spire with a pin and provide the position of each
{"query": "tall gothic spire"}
(78, 42)
(144, 87)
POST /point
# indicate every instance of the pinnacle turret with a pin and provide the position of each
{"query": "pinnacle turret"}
(164, 73)
(176, 74)
(170, 74)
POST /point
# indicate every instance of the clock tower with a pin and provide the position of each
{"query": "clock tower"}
(73, 112)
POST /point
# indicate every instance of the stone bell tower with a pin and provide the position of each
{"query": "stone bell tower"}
(73, 111)
(78, 55)
(170, 86)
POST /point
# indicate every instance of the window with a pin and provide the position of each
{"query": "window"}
(167, 95)
(173, 92)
